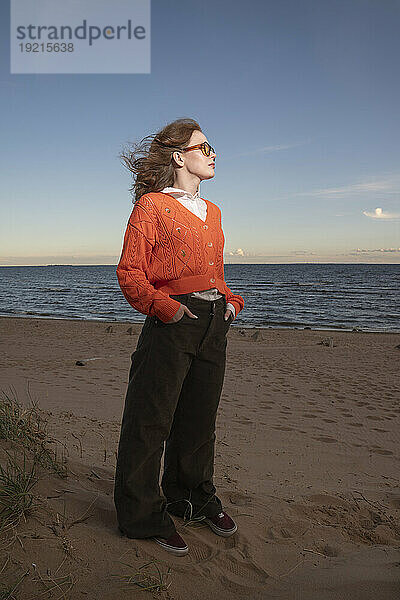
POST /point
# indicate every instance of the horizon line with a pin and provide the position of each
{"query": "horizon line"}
(230, 263)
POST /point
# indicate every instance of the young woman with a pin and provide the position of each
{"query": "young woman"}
(171, 269)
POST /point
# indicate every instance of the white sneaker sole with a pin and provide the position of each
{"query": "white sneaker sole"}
(172, 549)
(219, 531)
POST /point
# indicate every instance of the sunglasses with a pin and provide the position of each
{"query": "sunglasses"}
(204, 147)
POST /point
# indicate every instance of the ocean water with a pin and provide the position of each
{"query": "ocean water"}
(320, 296)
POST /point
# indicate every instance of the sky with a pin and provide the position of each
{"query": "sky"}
(299, 98)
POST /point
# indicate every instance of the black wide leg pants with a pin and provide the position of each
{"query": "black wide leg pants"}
(175, 384)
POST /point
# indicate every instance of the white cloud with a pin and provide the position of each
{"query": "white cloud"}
(280, 147)
(353, 189)
(386, 185)
(379, 214)
(238, 252)
(369, 251)
(245, 254)
(275, 148)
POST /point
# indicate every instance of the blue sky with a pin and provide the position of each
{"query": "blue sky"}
(299, 98)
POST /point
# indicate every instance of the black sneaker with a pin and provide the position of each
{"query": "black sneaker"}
(222, 524)
(174, 544)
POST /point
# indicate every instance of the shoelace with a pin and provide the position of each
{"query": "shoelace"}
(190, 512)
(191, 518)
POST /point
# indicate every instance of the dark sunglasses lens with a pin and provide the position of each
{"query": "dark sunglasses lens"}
(206, 149)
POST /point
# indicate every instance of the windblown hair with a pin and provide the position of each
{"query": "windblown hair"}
(151, 162)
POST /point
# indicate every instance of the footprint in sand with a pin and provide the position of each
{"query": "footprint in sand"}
(378, 450)
(244, 421)
(394, 501)
(201, 551)
(246, 573)
(328, 550)
(380, 430)
(322, 500)
(327, 440)
(286, 531)
(239, 499)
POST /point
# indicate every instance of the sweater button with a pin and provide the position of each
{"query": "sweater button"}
(212, 280)
(205, 226)
(211, 262)
(209, 244)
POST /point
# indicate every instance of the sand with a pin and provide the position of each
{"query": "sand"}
(307, 463)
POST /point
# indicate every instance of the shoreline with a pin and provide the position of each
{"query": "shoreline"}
(235, 325)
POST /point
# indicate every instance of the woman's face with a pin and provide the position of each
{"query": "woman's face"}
(195, 162)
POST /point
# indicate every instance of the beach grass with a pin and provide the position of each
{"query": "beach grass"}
(24, 429)
(16, 498)
(27, 427)
(52, 584)
(148, 577)
(7, 591)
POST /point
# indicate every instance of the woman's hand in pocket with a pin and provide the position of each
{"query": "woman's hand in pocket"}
(179, 314)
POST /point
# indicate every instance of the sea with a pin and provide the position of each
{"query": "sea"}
(318, 296)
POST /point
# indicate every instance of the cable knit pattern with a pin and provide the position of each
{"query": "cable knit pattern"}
(169, 250)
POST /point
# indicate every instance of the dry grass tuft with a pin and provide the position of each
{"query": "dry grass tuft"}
(27, 427)
(148, 577)
(16, 499)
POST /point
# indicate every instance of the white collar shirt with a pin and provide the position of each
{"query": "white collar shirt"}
(193, 202)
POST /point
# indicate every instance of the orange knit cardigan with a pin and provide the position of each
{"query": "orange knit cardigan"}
(169, 250)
